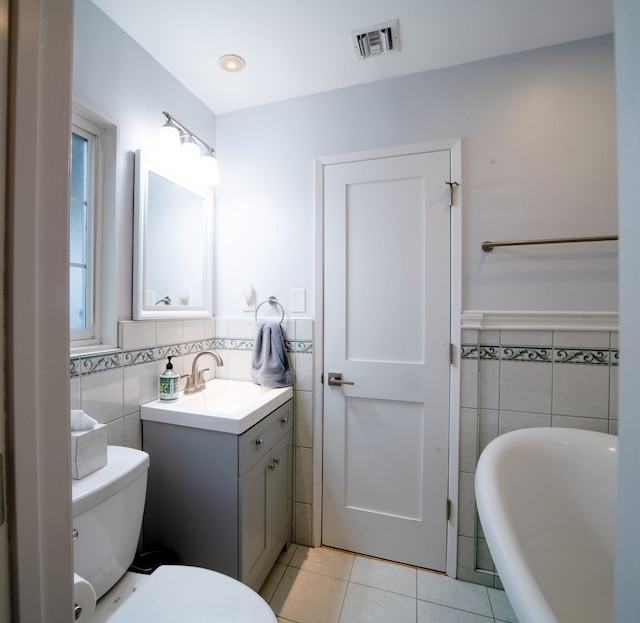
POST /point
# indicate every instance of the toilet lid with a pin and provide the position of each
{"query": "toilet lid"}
(176, 593)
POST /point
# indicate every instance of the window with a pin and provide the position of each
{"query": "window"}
(87, 209)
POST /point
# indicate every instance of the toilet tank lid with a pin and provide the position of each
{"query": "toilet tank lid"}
(123, 466)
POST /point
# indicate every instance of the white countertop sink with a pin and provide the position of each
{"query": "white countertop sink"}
(224, 406)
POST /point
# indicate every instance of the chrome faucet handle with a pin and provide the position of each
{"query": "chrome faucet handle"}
(189, 386)
(201, 383)
(196, 381)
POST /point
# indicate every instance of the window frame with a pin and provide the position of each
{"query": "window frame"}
(93, 334)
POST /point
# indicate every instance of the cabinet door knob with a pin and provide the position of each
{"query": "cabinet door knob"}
(276, 461)
(259, 441)
(284, 420)
(272, 466)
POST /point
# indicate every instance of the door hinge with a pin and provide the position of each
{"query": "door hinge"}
(448, 510)
(322, 379)
(451, 186)
(452, 353)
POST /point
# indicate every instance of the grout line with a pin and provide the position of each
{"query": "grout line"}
(344, 598)
(348, 581)
(490, 603)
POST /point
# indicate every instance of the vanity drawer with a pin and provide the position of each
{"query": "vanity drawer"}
(260, 438)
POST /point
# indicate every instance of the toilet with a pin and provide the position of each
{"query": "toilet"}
(107, 516)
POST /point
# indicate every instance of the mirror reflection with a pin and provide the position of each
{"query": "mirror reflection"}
(172, 244)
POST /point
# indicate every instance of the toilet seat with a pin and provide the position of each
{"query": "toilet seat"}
(179, 593)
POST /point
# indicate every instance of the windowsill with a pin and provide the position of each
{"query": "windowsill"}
(92, 349)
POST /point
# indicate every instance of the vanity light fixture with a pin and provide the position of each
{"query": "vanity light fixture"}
(232, 63)
(209, 168)
(170, 137)
(189, 150)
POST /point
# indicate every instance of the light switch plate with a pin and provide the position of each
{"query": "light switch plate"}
(298, 300)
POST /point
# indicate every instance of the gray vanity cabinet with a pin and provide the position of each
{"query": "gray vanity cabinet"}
(219, 500)
(266, 511)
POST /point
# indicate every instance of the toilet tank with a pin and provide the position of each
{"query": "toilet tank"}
(107, 516)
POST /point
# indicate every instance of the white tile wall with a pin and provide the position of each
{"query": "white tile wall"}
(488, 422)
(303, 365)
(497, 396)
(111, 389)
(515, 420)
(169, 332)
(137, 334)
(519, 379)
(581, 390)
(488, 384)
(525, 386)
(304, 475)
(101, 395)
(469, 384)
(139, 386)
(468, 439)
(304, 419)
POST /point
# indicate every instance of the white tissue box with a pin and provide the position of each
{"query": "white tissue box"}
(88, 451)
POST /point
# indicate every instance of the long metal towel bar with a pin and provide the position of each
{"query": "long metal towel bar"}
(489, 246)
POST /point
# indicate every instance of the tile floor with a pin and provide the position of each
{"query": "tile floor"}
(322, 585)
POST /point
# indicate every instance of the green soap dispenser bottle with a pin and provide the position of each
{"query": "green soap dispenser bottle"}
(169, 382)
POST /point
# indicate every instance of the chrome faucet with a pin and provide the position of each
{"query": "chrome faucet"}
(195, 380)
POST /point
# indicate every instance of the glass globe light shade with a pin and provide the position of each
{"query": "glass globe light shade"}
(168, 143)
(190, 152)
(209, 169)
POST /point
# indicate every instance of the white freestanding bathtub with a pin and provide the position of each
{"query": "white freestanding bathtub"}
(546, 499)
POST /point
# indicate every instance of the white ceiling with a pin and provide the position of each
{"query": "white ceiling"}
(299, 47)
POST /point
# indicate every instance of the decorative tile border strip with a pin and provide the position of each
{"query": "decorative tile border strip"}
(581, 356)
(83, 365)
(136, 357)
(525, 353)
(241, 344)
(299, 346)
(489, 352)
(100, 363)
(74, 367)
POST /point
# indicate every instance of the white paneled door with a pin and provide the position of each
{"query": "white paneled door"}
(387, 333)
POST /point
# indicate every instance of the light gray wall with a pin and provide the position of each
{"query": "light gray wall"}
(538, 143)
(538, 140)
(116, 78)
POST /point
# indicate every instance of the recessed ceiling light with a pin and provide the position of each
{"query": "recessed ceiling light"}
(231, 63)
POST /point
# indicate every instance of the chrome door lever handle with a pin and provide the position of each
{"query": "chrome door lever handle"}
(335, 379)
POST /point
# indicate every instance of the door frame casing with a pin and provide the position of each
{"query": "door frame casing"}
(37, 316)
(454, 146)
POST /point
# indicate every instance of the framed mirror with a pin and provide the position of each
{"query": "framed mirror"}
(173, 231)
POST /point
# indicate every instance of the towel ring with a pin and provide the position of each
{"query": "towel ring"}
(272, 300)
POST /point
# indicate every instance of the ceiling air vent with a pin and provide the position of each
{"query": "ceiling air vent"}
(375, 40)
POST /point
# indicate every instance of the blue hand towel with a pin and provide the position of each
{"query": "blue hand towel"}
(270, 366)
